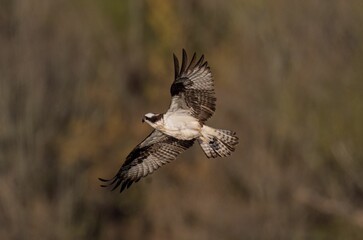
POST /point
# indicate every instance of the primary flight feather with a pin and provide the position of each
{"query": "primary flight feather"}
(192, 104)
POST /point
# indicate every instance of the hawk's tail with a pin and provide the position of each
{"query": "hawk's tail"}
(217, 142)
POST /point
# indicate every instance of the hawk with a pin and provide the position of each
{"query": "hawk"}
(193, 102)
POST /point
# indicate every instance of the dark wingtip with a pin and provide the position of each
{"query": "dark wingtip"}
(109, 182)
(184, 64)
(116, 182)
(105, 181)
(176, 66)
(200, 61)
(116, 185)
(184, 61)
(205, 64)
(192, 61)
(184, 52)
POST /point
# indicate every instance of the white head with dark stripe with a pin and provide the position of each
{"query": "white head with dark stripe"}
(153, 119)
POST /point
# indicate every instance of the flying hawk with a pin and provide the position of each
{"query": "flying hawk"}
(192, 103)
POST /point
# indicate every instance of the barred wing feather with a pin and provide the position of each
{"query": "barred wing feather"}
(193, 88)
(154, 151)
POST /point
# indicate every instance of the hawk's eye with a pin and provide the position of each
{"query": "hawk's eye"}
(153, 119)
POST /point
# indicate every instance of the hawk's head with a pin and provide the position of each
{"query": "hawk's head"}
(152, 118)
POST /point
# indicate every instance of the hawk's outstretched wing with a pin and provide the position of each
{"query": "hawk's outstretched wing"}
(154, 151)
(193, 88)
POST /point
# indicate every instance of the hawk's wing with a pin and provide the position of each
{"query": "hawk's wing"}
(154, 151)
(193, 88)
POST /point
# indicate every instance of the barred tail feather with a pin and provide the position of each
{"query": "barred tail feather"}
(217, 142)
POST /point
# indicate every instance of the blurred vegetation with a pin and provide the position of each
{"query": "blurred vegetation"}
(76, 78)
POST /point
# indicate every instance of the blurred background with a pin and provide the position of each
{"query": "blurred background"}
(76, 77)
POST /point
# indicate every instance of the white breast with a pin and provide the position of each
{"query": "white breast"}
(181, 125)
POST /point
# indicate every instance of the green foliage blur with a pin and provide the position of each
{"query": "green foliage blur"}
(76, 77)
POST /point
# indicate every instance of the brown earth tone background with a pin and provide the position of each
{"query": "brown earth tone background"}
(76, 77)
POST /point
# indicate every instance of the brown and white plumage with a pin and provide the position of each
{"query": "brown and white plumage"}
(154, 151)
(192, 104)
(193, 88)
